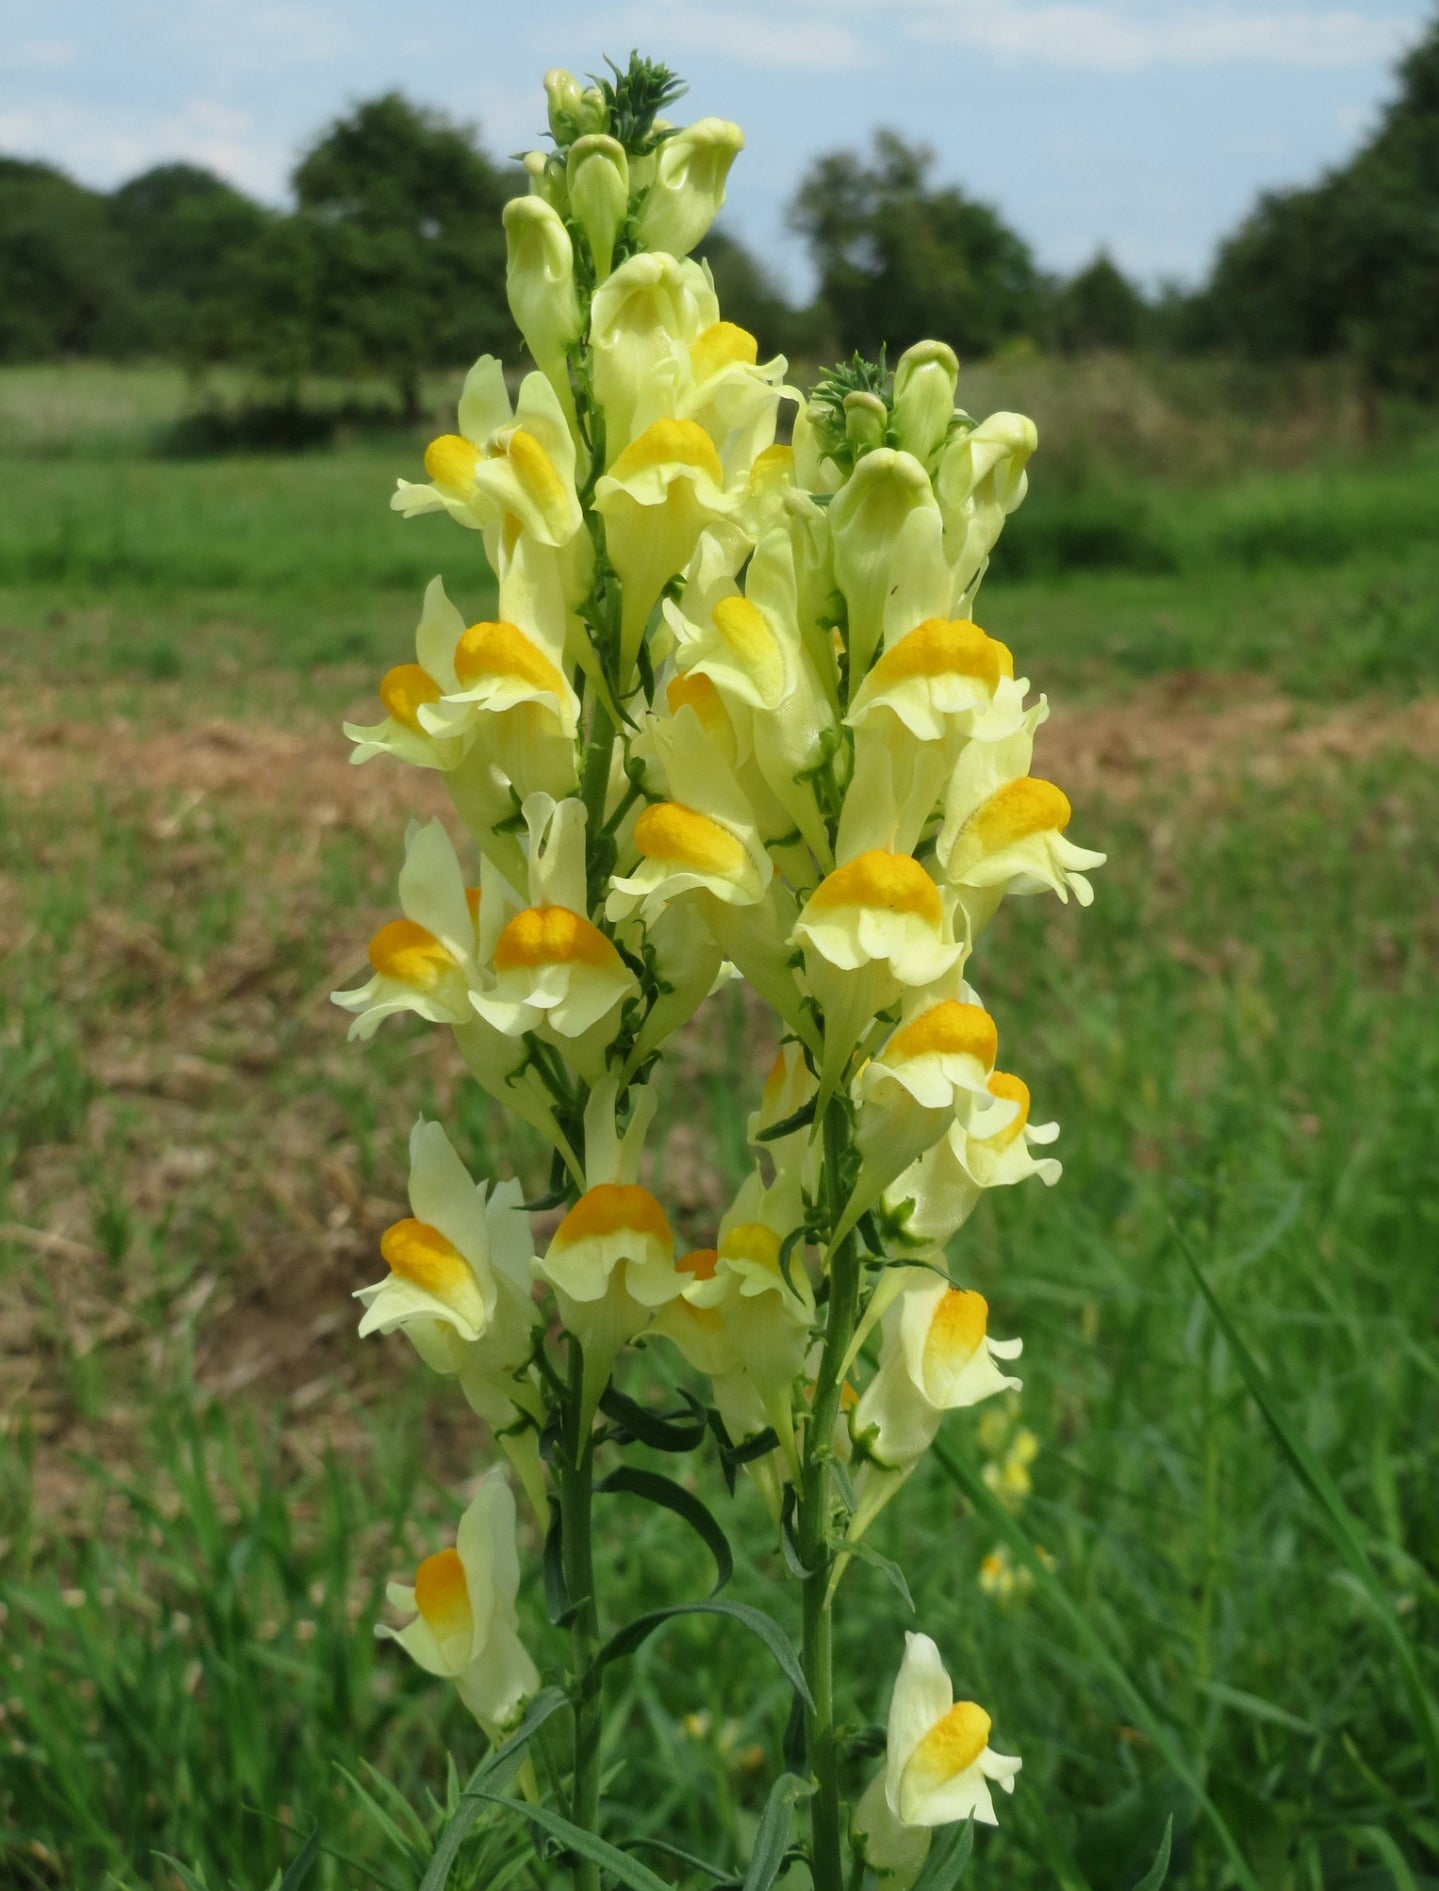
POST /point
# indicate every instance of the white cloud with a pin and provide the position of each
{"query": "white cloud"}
(776, 41)
(105, 145)
(1107, 38)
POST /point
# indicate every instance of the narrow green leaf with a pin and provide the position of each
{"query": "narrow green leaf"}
(771, 1841)
(652, 1844)
(1378, 1840)
(186, 1876)
(634, 1633)
(1159, 1870)
(552, 1568)
(628, 1870)
(801, 1119)
(1255, 1707)
(864, 1552)
(1052, 1591)
(664, 1491)
(496, 1769)
(302, 1863)
(948, 1861)
(1344, 1528)
(661, 1431)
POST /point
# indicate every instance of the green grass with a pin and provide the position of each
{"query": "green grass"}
(205, 1479)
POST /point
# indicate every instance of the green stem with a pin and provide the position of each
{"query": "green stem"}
(594, 788)
(813, 1520)
(576, 1491)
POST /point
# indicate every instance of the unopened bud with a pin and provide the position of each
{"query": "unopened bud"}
(688, 187)
(924, 384)
(547, 179)
(865, 419)
(593, 114)
(563, 91)
(540, 284)
(599, 189)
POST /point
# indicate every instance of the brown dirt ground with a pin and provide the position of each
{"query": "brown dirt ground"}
(190, 1123)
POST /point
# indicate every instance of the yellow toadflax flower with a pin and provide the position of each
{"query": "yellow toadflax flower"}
(465, 1625)
(611, 1260)
(656, 499)
(650, 309)
(505, 471)
(875, 926)
(943, 1187)
(425, 962)
(938, 1769)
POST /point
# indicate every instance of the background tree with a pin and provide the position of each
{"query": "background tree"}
(1099, 308)
(400, 214)
(191, 240)
(899, 258)
(66, 282)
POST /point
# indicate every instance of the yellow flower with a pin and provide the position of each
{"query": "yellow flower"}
(688, 187)
(884, 520)
(598, 181)
(1003, 829)
(938, 1769)
(540, 287)
(874, 926)
(925, 377)
(980, 480)
(611, 1260)
(505, 471)
(426, 961)
(465, 1626)
(644, 313)
(657, 498)
(944, 1186)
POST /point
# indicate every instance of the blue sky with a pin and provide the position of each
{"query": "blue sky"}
(1144, 125)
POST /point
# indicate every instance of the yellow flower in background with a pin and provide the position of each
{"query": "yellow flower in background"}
(506, 470)
(425, 962)
(465, 1626)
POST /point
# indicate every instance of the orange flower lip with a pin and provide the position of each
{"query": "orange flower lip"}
(503, 650)
(940, 648)
(884, 882)
(410, 953)
(1018, 810)
(668, 831)
(552, 935)
(613, 1208)
(949, 1029)
(402, 691)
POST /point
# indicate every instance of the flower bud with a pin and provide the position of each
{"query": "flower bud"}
(688, 187)
(547, 179)
(563, 91)
(540, 284)
(924, 384)
(599, 187)
(865, 420)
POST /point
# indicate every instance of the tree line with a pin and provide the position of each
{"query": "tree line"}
(391, 262)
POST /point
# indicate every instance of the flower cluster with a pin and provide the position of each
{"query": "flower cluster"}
(732, 716)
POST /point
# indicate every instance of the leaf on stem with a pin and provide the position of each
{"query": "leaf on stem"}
(664, 1491)
(634, 1633)
(771, 1842)
(661, 1431)
(948, 1860)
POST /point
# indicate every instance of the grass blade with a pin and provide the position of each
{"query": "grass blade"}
(497, 1768)
(1048, 1586)
(1159, 1870)
(628, 1870)
(1343, 1527)
(302, 1863)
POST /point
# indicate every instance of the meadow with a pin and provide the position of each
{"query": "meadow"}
(1211, 1597)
